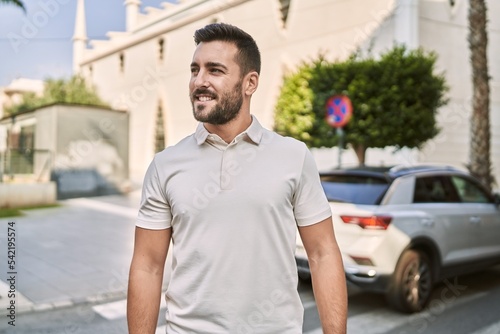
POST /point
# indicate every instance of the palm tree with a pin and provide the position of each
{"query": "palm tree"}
(479, 156)
(17, 3)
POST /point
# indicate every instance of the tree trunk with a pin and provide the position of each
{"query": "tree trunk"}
(360, 153)
(479, 155)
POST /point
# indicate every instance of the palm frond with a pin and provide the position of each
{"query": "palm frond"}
(17, 3)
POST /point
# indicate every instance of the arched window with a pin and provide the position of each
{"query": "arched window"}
(284, 7)
(161, 50)
(159, 130)
(122, 62)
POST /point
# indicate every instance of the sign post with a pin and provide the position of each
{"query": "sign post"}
(338, 114)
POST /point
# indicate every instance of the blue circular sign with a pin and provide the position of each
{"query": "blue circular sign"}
(338, 111)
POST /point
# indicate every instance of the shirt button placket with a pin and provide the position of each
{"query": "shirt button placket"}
(226, 179)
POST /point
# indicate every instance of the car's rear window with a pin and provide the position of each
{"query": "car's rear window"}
(357, 189)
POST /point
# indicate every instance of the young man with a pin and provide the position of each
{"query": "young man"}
(230, 198)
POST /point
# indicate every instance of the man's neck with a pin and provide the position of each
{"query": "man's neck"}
(230, 130)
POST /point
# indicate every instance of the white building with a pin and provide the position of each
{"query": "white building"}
(12, 93)
(146, 68)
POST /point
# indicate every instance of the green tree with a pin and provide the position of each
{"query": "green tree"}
(395, 100)
(480, 137)
(17, 3)
(73, 90)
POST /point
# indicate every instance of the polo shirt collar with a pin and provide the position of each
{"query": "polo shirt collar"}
(255, 132)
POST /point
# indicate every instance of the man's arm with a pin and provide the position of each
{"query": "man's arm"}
(327, 273)
(146, 279)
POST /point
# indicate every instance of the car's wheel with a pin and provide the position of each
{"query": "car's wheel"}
(411, 284)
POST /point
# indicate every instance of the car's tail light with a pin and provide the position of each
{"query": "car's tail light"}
(372, 222)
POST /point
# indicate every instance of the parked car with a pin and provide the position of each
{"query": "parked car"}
(403, 229)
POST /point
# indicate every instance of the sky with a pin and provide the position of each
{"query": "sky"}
(38, 44)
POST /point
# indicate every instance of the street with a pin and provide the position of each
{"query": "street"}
(466, 305)
(71, 277)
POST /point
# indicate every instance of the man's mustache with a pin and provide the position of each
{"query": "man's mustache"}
(203, 91)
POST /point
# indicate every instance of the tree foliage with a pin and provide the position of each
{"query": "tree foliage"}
(73, 90)
(395, 100)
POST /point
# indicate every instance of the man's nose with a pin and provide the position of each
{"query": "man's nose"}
(201, 79)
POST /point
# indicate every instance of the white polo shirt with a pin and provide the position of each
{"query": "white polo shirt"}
(234, 210)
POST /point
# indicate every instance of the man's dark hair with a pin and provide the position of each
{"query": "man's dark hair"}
(248, 56)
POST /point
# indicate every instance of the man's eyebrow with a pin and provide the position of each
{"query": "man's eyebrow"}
(209, 64)
(215, 64)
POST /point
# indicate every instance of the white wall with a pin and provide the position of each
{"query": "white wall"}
(334, 28)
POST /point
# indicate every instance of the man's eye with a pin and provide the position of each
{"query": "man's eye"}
(216, 70)
(194, 70)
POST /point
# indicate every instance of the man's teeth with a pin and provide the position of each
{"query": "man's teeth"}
(204, 98)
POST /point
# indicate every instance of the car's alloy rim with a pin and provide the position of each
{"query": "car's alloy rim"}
(417, 283)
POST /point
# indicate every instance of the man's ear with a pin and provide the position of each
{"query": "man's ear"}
(251, 83)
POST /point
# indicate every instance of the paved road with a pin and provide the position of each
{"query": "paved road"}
(72, 254)
(470, 307)
(72, 267)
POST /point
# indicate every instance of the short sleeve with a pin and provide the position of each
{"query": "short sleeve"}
(154, 210)
(310, 202)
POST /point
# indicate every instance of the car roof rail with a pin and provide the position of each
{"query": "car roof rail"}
(420, 167)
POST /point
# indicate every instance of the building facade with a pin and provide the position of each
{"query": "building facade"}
(12, 94)
(145, 69)
(83, 148)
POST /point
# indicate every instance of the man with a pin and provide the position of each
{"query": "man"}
(230, 198)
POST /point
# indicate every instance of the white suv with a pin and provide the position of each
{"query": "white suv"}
(402, 229)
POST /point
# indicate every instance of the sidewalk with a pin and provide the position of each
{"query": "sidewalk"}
(77, 253)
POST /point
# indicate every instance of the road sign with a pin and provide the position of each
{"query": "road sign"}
(338, 111)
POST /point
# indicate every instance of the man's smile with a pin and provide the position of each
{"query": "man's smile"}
(204, 98)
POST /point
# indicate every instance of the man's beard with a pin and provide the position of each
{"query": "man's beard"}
(224, 111)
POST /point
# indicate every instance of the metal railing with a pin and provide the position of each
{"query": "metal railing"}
(29, 164)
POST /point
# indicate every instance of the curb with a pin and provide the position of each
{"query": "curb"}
(61, 304)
